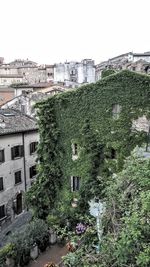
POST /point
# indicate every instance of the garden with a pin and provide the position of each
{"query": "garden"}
(111, 175)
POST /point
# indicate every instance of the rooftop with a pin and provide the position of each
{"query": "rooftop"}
(12, 121)
(35, 85)
(11, 76)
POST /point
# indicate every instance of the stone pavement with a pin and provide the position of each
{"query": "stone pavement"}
(54, 254)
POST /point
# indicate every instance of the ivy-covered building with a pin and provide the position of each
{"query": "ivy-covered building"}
(85, 136)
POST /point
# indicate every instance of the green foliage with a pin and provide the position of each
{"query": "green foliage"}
(7, 251)
(42, 194)
(108, 72)
(127, 229)
(21, 242)
(52, 221)
(84, 116)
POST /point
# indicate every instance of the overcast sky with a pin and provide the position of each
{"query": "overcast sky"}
(49, 31)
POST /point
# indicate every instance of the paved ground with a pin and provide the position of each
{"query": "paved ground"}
(54, 254)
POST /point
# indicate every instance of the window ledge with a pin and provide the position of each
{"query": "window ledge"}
(33, 177)
(17, 158)
(33, 154)
(2, 219)
(18, 183)
(2, 190)
(75, 157)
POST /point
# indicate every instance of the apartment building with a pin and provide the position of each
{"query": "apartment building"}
(18, 143)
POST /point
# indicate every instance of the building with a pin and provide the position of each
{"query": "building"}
(18, 142)
(139, 62)
(29, 70)
(75, 73)
(6, 94)
(91, 131)
(25, 101)
(1, 60)
(9, 79)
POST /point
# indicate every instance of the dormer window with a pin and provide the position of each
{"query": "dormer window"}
(116, 110)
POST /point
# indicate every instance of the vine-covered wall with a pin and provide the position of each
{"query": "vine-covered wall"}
(84, 117)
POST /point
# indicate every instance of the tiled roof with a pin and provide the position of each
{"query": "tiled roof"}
(12, 121)
(6, 89)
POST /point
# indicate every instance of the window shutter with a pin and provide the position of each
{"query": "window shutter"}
(1, 184)
(30, 148)
(12, 153)
(72, 183)
(3, 156)
(77, 183)
(21, 151)
(30, 172)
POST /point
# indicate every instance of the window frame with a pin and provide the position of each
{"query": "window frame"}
(20, 181)
(116, 110)
(33, 167)
(33, 147)
(20, 152)
(75, 183)
(3, 156)
(4, 212)
(2, 189)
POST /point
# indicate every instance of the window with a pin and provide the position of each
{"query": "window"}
(33, 171)
(23, 108)
(17, 177)
(2, 156)
(116, 109)
(2, 211)
(16, 152)
(33, 147)
(1, 184)
(75, 183)
(18, 208)
(74, 149)
(113, 153)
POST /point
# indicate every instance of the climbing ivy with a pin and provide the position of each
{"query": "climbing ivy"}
(84, 116)
(41, 196)
(108, 72)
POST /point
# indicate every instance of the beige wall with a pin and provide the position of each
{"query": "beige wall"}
(9, 167)
(10, 80)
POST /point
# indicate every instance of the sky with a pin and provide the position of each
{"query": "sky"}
(53, 31)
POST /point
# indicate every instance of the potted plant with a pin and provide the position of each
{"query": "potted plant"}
(50, 264)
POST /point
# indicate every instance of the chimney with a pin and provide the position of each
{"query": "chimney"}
(2, 124)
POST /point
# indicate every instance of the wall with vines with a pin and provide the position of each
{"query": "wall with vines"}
(84, 116)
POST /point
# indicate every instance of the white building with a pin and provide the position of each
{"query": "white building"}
(75, 72)
(8, 79)
(18, 142)
(139, 62)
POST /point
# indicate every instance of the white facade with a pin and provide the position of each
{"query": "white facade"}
(8, 196)
(139, 62)
(6, 80)
(76, 72)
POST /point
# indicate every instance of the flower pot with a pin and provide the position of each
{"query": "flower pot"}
(34, 252)
(52, 238)
(10, 262)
